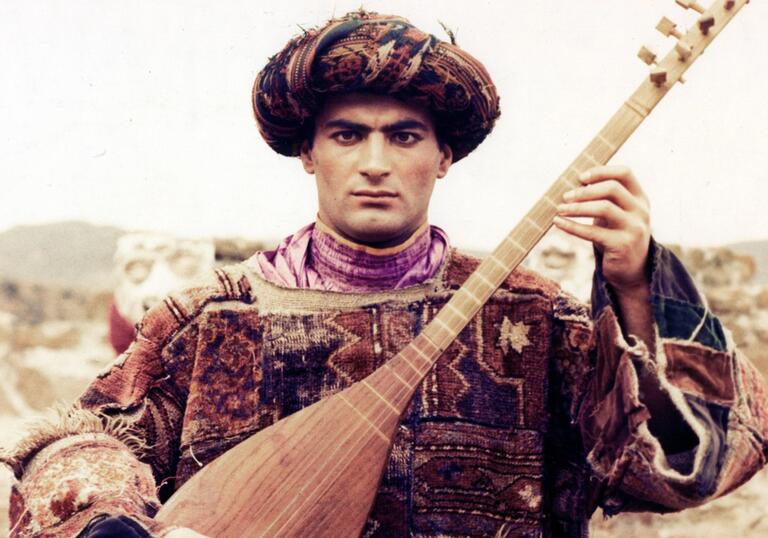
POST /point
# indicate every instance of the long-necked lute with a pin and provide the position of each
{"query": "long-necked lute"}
(316, 472)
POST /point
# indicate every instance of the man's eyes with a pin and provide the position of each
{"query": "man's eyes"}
(401, 138)
(345, 137)
(405, 138)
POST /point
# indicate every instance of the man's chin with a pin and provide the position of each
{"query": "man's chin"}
(380, 236)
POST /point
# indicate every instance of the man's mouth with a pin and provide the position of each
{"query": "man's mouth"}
(367, 193)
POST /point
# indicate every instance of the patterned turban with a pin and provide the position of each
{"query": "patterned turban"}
(383, 54)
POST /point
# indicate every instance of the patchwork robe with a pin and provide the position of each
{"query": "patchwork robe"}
(531, 419)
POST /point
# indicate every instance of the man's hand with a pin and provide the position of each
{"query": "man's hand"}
(621, 231)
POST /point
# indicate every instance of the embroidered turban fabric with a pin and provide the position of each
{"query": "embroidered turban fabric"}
(384, 54)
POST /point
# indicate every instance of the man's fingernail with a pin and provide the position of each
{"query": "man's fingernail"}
(584, 176)
(569, 195)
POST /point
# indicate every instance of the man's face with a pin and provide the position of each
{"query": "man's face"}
(375, 160)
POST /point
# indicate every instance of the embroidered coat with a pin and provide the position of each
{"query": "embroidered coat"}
(531, 419)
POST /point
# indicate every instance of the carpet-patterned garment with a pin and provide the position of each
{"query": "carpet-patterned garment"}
(528, 421)
(368, 52)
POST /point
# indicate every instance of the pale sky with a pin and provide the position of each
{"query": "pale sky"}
(138, 114)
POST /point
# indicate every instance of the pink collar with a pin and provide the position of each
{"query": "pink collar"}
(315, 258)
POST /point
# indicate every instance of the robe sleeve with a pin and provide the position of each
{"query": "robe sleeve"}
(715, 397)
(115, 451)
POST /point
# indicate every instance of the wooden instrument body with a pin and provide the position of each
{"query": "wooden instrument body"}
(316, 473)
(321, 490)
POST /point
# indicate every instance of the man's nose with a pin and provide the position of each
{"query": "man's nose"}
(374, 158)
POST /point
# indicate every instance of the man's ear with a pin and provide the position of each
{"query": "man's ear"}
(446, 160)
(306, 158)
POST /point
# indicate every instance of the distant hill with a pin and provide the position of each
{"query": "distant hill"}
(79, 255)
(69, 254)
(759, 251)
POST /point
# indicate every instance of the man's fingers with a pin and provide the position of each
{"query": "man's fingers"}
(588, 232)
(609, 214)
(610, 190)
(622, 174)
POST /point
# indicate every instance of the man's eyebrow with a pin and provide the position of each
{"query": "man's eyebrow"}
(346, 124)
(405, 124)
(392, 127)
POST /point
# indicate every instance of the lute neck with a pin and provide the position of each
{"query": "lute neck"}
(421, 354)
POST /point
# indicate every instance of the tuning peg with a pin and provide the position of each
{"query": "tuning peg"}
(658, 75)
(647, 55)
(668, 28)
(705, 23)
(684, 50)
(690, 4)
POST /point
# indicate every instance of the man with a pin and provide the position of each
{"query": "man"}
(532, 418)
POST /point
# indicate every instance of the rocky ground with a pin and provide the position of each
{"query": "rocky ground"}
(44, 362)
(53, 340)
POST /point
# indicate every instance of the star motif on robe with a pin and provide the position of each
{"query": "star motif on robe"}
(513, 335)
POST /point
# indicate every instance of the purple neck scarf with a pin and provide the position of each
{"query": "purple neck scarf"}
(315, 258)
